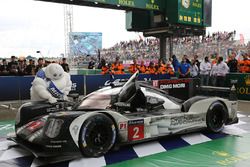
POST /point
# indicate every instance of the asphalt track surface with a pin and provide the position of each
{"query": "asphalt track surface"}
(13, 155)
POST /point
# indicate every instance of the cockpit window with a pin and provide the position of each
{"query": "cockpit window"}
(95, 101)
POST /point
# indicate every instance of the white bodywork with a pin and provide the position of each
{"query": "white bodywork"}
(143, 126)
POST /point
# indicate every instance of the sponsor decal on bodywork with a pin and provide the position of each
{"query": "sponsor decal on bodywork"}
(186, 119)
(122, 126)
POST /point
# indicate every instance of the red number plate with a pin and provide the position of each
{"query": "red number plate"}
(135, 130)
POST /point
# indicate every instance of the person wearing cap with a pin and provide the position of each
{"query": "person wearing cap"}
(13, 66)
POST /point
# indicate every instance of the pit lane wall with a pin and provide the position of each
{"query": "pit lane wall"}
(18, 87)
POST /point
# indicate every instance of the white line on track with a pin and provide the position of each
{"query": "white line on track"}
(13, 153)
(195, 138)
(91, 162)
(148, 148)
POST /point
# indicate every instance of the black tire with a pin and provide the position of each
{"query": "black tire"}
(97, 135)
(217, 115)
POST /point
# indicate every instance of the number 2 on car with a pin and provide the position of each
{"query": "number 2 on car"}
(135, 130)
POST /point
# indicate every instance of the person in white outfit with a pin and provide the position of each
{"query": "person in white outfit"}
(220, 72)
(205, 68)
(194, 70)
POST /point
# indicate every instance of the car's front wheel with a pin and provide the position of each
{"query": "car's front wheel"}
(216, 117)
(97, 135)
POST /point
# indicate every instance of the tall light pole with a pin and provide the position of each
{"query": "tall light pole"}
(68, 27)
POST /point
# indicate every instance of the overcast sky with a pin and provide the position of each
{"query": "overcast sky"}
(27, 26)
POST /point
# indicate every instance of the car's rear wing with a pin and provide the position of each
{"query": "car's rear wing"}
(224, 92)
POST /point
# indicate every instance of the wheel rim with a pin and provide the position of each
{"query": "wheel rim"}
(217, 119)
(98, 137)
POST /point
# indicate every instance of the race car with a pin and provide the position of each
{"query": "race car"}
(114, 116)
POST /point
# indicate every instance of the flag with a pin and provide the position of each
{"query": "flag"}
(242, 40)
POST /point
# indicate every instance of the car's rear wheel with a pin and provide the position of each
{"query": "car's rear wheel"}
(216, 117)
(97, 135)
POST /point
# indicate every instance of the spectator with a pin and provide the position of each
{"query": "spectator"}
(22, 67)
(142, 68)
(184, 69)
(65, 65)
(205, 69)
(133, 67)
(162, 67)
(13, 66)
(187, 60)
(169, 69)
(91, 63)
(117, 67)
(220, 72)
(105, 68)
(175, 62)
(244, 65)
(30, 69)
(197, 62)
(151, 68)
(194, 70)
(39, 65)
(233, 63)
(47, 62)
(4, 68)
(212, 78)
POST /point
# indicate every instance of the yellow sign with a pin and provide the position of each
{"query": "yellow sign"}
(247, 80)
(127, 3)
(229, 159)
(152, 5)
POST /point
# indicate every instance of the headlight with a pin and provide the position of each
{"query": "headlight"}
(54, 127)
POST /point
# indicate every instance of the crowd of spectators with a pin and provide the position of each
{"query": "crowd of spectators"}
(146, 53)
(212, 70)
(20, 67)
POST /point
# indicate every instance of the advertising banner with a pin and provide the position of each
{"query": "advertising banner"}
(178, 88)
(77, 84)
(94, 82)
(242, 84)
